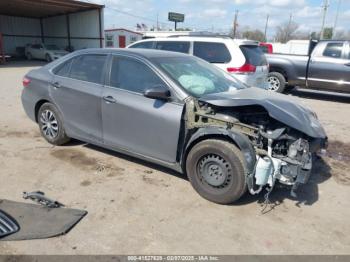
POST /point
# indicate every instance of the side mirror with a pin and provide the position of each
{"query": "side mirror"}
(157, 92)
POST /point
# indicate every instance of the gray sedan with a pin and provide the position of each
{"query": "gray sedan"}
(180, 112)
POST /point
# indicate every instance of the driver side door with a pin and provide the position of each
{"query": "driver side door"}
(133, 122)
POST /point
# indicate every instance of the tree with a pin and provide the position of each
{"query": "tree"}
(286, 32)
(328, 33)
(254, 35)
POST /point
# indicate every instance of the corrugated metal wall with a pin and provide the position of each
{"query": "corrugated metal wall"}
(18, 26)
(82, 25)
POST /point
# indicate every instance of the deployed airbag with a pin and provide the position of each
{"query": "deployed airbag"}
(38, 221)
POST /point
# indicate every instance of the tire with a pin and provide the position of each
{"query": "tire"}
(277, 82)
(51, 125)
(48, 58)
(29, 56)
(216, 170)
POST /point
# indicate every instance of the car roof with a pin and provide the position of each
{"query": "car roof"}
(145, 53)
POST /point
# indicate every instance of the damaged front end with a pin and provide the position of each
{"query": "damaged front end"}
(281, 152)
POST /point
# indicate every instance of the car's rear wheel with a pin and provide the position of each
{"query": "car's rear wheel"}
(51, 125)
(48, 58)
(276, 82)
(29, 56)
(216, 170)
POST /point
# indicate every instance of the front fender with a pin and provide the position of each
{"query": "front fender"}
(240, 140)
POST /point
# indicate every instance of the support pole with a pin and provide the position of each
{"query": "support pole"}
(68, 32)
(42, 31)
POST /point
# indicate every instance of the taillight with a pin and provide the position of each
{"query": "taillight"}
(245, 69)
(26, 81)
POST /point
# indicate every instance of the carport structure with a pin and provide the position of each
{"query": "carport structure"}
(68, 24)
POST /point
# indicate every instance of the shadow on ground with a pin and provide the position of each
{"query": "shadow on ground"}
(23, 63)
(307, 194)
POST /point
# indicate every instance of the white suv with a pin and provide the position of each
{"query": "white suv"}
(243, 58)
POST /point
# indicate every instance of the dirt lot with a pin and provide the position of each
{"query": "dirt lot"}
(135, 207)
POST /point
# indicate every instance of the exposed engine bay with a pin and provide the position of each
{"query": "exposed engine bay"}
(283, 153)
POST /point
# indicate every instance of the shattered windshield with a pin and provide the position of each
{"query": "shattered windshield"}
(198, 77)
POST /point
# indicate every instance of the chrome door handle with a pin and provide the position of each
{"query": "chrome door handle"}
(109, 99)
(348, 64)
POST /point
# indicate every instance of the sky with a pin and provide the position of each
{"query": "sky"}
(218, 15)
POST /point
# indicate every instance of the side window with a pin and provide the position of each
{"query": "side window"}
(132, 75)
(212, 52)
(175, 46)
(63, 69)
(88, 68)
(333, 50)
(146, 45)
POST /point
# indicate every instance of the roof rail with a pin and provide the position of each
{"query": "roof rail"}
(202, 34)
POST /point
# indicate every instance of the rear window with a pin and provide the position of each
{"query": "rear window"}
(253, 55)
(88, 68)
(175, 46)
(146, 45)
(212, 52)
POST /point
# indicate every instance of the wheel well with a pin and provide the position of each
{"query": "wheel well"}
(279, 70)
(202, 138)
(37, 107)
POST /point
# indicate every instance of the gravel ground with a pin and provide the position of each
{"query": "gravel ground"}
(139, 208)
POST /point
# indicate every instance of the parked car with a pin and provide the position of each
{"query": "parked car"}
(44, 52)
(177, 111)
(327, 68)
(242, 58)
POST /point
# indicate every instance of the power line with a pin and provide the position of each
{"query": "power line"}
(136, 16)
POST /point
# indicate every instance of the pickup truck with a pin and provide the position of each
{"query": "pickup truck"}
(327, 68)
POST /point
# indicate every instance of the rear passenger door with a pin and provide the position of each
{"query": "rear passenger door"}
(133, 122)
(77, 91)
(329, 67)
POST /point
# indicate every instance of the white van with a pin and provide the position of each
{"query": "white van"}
(243, 58)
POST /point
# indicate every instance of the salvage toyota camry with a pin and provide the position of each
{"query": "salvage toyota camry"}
(180, 112)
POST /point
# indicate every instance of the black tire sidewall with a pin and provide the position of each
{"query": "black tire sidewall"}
(231, 154)
(281, 79)
(48, 58)
(61, 138)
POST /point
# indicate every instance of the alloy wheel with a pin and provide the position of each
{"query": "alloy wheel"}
(274, 83)
(49, 124)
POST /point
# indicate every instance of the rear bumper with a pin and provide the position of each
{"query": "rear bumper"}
(253, 81)
(28, 102)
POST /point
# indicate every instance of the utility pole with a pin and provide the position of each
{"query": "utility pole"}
(266, 25)
(336, 19)
(288, 28)
(235, 24)
(325, 9)
(157, 21)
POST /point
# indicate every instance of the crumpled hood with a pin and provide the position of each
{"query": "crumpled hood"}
(283, 108)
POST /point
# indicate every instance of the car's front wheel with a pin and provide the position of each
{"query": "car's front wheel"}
(51, 125)
(276, 82)
(48, 58)
(29, 56)
(216, 170)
